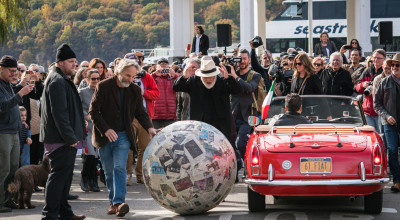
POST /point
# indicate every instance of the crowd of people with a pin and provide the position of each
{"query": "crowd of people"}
(111, 113)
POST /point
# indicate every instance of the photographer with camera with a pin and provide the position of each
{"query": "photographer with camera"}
(165, 106)
(242, 103)
(364, 86)
(263, 70)
(282, 73)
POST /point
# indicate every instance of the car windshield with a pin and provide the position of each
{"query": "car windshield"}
(323, 109)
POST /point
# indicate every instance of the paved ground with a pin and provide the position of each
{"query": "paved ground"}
(142, 205)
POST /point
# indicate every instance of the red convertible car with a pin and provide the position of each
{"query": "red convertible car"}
(336, 155)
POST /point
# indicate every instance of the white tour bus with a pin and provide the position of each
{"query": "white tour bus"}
(289, 30)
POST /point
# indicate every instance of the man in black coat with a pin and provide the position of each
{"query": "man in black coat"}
(62, 130)
(200, 43)
(210, 95)
(335, 80)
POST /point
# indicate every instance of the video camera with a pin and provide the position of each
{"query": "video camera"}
(231, 61)
(277, 72)
(368, 90)
(141, 74)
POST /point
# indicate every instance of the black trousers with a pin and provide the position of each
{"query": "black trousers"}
(58, 184)
(37, 150)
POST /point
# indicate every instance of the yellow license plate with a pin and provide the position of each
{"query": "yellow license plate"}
(316, 165)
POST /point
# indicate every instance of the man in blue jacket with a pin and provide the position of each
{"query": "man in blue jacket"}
(10, 120)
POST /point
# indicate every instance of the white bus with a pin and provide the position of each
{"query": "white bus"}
(288, 30)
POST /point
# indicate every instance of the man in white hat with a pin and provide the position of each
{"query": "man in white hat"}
(211, 93)
(387, 106)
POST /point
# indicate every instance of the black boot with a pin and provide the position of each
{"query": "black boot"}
(84, 183)
(85, 173)
(93, 185)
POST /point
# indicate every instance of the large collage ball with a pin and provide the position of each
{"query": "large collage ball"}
(189, 167)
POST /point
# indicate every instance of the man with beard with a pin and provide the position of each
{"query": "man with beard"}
(115, 104)
(62, 131)
(211, 94)
(241, 104)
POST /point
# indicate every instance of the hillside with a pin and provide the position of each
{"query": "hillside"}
(111, 28)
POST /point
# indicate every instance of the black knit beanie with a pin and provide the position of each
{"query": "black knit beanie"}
(64, 52)
(8, 61)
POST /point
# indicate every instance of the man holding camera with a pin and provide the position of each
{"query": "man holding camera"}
(165, 106)
(241, 104)
(263, 70)
(364, 86)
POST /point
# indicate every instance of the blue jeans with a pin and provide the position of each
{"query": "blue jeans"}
(374, 122)
(243, 129)
(113, 157)
(26, 155)
(392, 138)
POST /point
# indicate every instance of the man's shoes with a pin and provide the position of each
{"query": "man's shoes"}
(84, 184)
(93, 186)
(128, 179)
(37, 189)
(10, 204)
(122, 209)
(112, 210)
(78, 217)
(4, 209)
(72, 197)
(139, 180)
(396, 187)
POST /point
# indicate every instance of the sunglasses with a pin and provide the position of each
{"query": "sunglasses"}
(299, 64)
(395, 65)
(317, 64)
(85, 66)
(353, 42)
(35, 70)
(93, 79)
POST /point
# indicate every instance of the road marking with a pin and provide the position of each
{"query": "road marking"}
(297, 215)
(389, 210)
(350, 216)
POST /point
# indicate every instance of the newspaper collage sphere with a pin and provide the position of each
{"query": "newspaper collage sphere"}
(189, 167)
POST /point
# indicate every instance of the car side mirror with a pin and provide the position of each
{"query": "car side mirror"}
(254, 121)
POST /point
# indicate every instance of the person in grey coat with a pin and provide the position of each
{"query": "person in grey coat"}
(90, 158)
(10, 122)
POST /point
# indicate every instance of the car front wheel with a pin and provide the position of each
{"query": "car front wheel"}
(373, 203)
(256, 201)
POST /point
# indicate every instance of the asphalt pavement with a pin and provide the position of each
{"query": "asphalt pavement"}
(142, 206)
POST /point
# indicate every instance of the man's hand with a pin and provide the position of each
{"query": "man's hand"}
(152, 132)
(251, 44)
(391, 120)
(111, 135)
(189, 71)
(34, 76)
(24, 80)
(171, 73)
(199, 54)
(158, 71)
(365, 84)
(74, 145)
(28, 141)
(223, 71)
(342, 50)
(26, 90)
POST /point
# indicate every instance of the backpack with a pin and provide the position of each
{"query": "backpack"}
(260, 95)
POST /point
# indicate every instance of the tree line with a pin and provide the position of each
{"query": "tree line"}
(111, 28)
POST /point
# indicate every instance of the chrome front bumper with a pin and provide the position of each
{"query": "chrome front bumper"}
(316, 182)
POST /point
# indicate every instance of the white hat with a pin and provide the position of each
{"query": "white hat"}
(207, 69)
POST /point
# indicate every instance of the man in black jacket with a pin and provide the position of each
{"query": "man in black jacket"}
(387, 106)
(200, 43)
(335, 80)
(263, 70)
(62, 130)
(293, 115)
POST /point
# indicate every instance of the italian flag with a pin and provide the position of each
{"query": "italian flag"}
(267, 102)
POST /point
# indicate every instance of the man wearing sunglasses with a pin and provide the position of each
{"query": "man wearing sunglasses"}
(387, 106)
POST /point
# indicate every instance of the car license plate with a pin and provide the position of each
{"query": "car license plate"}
(316, 165)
